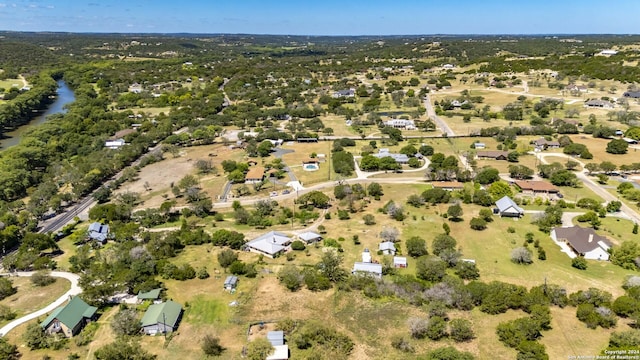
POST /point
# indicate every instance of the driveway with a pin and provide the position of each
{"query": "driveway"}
(74, 290)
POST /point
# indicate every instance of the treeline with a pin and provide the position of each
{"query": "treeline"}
(26, 104)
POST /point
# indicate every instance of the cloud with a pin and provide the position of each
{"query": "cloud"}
(3, 5)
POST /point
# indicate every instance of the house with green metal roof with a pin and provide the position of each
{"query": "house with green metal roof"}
(161, 318)
(69, 319)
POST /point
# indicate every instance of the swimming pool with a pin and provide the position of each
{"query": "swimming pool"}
(310, 167)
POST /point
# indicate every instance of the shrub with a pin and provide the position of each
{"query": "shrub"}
(460, 330)
(298, 245)
(579, 263)
(436, 328)
(202, 273)
(211, 346)
(6, 288)
(126, 322)
(42, 278)
(448, 353)
(418, 327)
(521, 255)
(402, 344)
(477, 223)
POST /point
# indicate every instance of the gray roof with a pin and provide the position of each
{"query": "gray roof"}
(271, 243)
(98, 231)
(387, 245)
(505, 203)
(309, 235)
(231, 280)
(276, 337)
(368, 267)
(578, 237)
(400, 158)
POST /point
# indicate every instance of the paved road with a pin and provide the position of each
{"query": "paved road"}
(431, 113)
(74, 290)
(630, 213)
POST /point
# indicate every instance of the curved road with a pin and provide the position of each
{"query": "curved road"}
(74, 290)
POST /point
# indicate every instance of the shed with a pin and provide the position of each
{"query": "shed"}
(507, 207)
(161, 318)
(309, 237)
(276, 337)
(231, 282)
(399, 262)
(149, 295)
(367, 268)
(280, 352)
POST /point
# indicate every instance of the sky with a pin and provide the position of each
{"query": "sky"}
(327, 17)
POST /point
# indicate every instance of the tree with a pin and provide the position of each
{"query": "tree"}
(443, 242)
(460, 330)
(467, 270)
(418, 327)
(211, 346)
(454, 212)
(564, 178)
(487, 175)
(608, 167)
(521, 255)
(126, 322)
(259, 349)
(314, 198)
(291, 277)
(592, 167)
(123, 349)
(500, 189)
(369, 219)
(617, 146)
(416, 247)
(390, 234)
(42, 278)
(329, 266)
(614, 206)
(436, 328)
(35, 337)
(477, 223)
(226, 257)
(6, 288)
(8, 351)
(430, 269)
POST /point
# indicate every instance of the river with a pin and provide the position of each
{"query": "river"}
(64, 96)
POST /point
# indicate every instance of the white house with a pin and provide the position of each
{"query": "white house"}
(270, 244)
(114, 144)
(387, 248)
(507, 207)
(309, 237)
(366, 256)
(399, 262)
(280, 352)
(583, 242)
(400, 124)
(367, 268)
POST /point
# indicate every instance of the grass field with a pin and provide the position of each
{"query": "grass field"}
(30, 298)
(9, 83)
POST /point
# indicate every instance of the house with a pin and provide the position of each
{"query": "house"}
(399, 158)
(153, 295)
(98, 232)
(535, 188)
(387, 248)
(307, 140)
(161, 318)
(630, 140)
(230, 283)
(346, 93)
(280, 352)
(135, 88)
(507, 207)
(457, 103)
(448, 185)
(254, 175)
(122, 133)
(577, 88)
(492, 154)
(479, 145)
(608, 52)
(543, 144)
(276, 338)
(400, 124)
(583, 242)
(597, 103)
(309, 237)
(366, 256)
(270, 244)
(367, 268)
(399, 262)
(448, 66)
(632, 94)
(114, 144)
(69, 319)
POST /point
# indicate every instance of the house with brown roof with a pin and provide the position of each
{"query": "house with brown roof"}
(254, 175)
(492, 154)
(448, 185)
(537, 188)
(543, 144)
(583, 242)
(310, 161)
